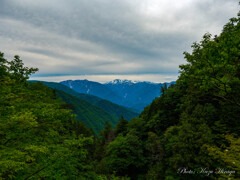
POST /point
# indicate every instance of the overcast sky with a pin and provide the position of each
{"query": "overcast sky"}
(106, 39)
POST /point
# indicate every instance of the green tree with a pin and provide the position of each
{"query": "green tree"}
(229, 157)
(18, 71)
(121, 127)
(185, 147)
(155, 157)
(210, 105)
(37, 137)
(3, 67)
(124, 155)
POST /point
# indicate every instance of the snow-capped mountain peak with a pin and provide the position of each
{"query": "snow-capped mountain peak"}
(120, 81)
(125, 81)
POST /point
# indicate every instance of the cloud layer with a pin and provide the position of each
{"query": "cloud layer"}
(102, 38)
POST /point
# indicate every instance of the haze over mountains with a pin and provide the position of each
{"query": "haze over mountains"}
(132, 94)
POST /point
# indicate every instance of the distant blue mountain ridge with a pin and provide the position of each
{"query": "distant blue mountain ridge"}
(132, 94)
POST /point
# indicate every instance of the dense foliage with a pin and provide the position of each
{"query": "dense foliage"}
(39, 136)
(191, 132)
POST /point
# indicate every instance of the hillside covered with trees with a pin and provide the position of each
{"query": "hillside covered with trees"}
(105, 105)
(190, 132)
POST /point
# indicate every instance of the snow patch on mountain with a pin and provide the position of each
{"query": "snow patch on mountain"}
(125, 81)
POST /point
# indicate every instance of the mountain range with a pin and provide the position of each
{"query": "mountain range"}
(91, 110)
(132, 94)
(94, 103)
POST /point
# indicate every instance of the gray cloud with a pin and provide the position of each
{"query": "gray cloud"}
(108, 37)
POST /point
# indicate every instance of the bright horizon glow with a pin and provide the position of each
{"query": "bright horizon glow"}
(156, 78)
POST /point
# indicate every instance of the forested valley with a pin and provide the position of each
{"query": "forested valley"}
(190, 132)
